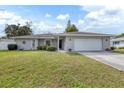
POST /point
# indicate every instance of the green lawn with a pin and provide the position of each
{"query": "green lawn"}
(119, 51)
(53, 69)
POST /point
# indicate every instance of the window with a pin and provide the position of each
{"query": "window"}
(116, 43)
(33, 44)
(23, 42)
(106, 40)
(48, 42)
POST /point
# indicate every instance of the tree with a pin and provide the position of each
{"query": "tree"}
(24, 30)
(71, 27)
(74, 28)
(17, 30)
(121, 35)
(11, 30)
(69, 23)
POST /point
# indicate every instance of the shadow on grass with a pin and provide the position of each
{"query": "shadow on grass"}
(73, 53)
(121, 51)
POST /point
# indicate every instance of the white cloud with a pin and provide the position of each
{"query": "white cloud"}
(39, 27)
(102, 16)
(11, 18)
(43, 27)
(63, 17)
(58, 26)
(110, 4)
(6, 15)
(48, 15)
(80, 22)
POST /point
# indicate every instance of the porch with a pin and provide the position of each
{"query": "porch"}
(58, 42)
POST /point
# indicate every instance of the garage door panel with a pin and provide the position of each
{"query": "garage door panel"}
(87, 44)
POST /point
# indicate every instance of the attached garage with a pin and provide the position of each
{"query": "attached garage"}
(88, 44)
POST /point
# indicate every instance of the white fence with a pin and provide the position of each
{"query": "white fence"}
(4, 43)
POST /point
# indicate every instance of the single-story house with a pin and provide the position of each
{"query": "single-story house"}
(4, 43)
(75, 41)
(117, 42)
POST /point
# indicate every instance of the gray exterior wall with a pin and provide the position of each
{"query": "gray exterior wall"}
(69, 43)
(28, 44)
(106, 42)
(4, 43)
(32, 44)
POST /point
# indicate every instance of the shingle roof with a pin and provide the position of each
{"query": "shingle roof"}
(84, 34)
(92, 33)
(52, 35)
(36, 36)
(118, 39)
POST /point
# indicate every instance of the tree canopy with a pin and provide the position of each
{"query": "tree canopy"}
(13, 30)
(71, 27)
(121, 35)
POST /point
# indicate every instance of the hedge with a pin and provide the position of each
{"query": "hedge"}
(47, 48)
(12, 47)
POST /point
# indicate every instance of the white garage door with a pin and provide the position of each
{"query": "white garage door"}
(87, 44)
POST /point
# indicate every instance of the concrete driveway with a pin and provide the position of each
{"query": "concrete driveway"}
(112, 59)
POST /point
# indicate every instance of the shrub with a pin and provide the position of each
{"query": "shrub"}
(69, 49)
(42, 47)
(12, 47)
(113, 48)
(121, 47)
(51, 48)
(48, 48)
(39, 48)
(107, 49)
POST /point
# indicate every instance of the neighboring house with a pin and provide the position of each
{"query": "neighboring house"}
(117, 42)
(75, 41)
(4, 43)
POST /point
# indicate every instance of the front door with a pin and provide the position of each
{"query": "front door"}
(60, 44)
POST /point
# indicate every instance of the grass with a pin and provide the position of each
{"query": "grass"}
(119, 51)
(52, 69)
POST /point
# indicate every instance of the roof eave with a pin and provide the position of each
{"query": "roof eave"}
(84, 35)
(32, 37)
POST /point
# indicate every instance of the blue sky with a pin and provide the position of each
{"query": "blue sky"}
(53, 18)
(40, 10)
